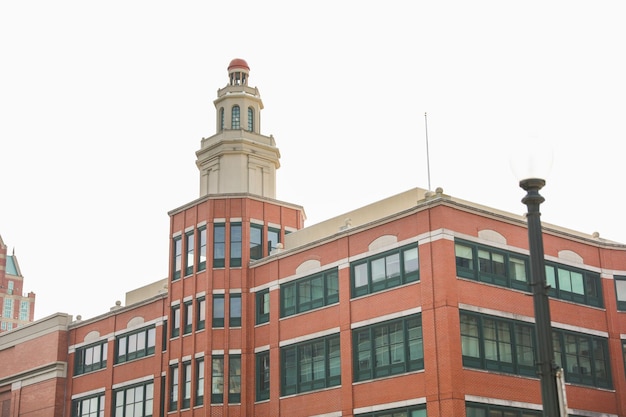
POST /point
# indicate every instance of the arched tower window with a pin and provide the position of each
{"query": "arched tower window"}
(236, 123)
(221, 119)
(250, 119)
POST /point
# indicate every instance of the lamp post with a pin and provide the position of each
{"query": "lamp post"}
(547, 366)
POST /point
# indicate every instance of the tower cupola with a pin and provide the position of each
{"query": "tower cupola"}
(238, 72)
(238, 158)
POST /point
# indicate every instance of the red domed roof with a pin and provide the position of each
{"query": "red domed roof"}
(238, 63)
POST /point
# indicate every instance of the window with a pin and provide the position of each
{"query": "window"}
(189, 247)
(164, 336)
(415, 411)
(273, 239)
(620, 292)
(219, 245)
(310, 292)
(221, 119)
(188, 317)
(8, 308)
(383, 271)
(263, 306)
(199, 399)
(217, 380)
(201, 253)
(200, 313)
(135, 345)
(10, 288)
(135, 401)
(497, 344)
(173, 387)
(573, 284)
(24, 310)
(250, 119)
(235, 310)
(91, 358)
(175, 321)
(310, 365)
(584, 358)
(236, 116)
(388, 348)
(508, 269)
(177, 257)
(186, 385)
(235, 244)
(218, 310)
(256, 241)
(263, 376)
(491, 265)
(487, 410)
(92, 406)
(234, 379)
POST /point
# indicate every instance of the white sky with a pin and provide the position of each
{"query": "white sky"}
(103, 105)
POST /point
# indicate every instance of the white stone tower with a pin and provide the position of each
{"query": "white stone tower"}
(238, 159)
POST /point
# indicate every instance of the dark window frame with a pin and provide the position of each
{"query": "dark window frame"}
(218, 321)
(149, 338)
(234, 379)
(299, 296)
(492, 358)
(262, 316)
(200, 313)
(83, 353)
(219, 245)
(217, 374)
(236, 245)
(363, 279)
(479, 410)
(190, 240)
(79, 404)
(188, 313)
(201, 253)
(366, 355)
(177, 257)
(234, 316)
(146, 387)
(398, 412)
(263, 375)
(292, 380)
(199, 380)
(256, 241)
(176, 321)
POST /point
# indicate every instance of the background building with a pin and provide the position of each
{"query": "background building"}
(416, 305)
(17, 308)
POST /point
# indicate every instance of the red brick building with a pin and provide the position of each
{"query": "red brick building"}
(416, 305)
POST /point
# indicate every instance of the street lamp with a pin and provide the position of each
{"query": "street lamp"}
(547, 366)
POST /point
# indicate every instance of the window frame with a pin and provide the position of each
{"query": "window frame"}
(236, 245)
(80, 356)
(263, 375)
(234, 379)
(200, 313)
(202, 248)
(174, 388)
(219, 245)
(79, 403)
(186, 385)
(199, 380)
(330, 345)
(363, 280)
(188, 315)
(256, 242)
(217, 375)
(498, 345)
(365, 351)
(120, 410)
(218, 321)
(235, 121)
(190, 240)
(234, 313)
(250, 119)
(262, 306)
(176, 321)
(293, 294)
(177, 257)
(149, 336)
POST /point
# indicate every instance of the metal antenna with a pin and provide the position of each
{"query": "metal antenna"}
(427, 154)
